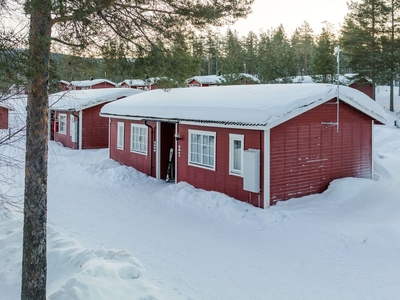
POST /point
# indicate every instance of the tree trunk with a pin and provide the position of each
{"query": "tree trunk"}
(34, 266)
(392, 56)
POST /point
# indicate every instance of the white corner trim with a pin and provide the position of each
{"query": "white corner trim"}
(372, 150)
(80, 129)
(158, 150)
(267, 173)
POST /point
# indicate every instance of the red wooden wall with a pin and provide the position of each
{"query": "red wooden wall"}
(101, 85)
(364, 86)
(3, 117)
(94, 128)
(64, 139)
(138, 161)
(195, 82)
(219, 180)
(307, 155)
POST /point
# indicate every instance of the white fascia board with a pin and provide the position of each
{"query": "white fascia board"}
(304, 109)
(364, 110)
(95, 104)
(295, 113)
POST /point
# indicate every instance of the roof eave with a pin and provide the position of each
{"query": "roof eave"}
(214, 123)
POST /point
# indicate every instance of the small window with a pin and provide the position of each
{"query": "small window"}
(139, 139)
(120, 136)
(236, 147)
(62, 127)
(202, 149)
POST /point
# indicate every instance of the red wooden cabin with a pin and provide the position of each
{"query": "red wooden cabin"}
(91, 84)
(4, 117)
(145, 85)
(64, 85)
(74, 117)
(363, 85)
(204, 81)
(256, 143)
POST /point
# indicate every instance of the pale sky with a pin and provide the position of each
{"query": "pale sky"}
(291, 14)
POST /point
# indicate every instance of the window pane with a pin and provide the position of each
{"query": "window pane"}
(202, 149)
(237, 155)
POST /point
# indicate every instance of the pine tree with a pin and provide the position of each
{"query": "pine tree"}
(393, 43)
(81, 24)
(361, 38)
(233, 62)
(323, 62)
(250, 45)
(280, 58)
(262, 54)
(303, 42)
(116, 64)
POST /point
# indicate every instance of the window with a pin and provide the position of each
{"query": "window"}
(139, 138)
(62, 127)
(120, 135)
(236, 146)
(202, 149)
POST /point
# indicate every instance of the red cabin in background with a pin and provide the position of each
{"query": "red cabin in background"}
(145, 85)
(4, 111)
(91, 84)
(363, 85)
(257, 143)
(64, 85)
(74, 117)
(204, 81)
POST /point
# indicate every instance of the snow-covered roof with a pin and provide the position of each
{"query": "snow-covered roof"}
(303, 79)
(64, 82)
(134, 82)
(81, 99)
(87, 83)
(253, 78)
(242, 105)
(208, 79)
(4, 106)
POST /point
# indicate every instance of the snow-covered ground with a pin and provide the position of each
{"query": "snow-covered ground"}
(114, 233)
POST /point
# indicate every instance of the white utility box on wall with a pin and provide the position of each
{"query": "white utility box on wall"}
(251, 170)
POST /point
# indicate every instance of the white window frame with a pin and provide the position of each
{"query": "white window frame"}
(62, 123)
(232, 169)
(139, 142)
(201, 163)
(120, 135)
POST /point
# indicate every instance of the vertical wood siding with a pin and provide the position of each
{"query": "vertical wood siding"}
(364, 86)
(94, 128)
(64, 139)
(219, 180)
(307, 155)
(3, 118)
(140, 162)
